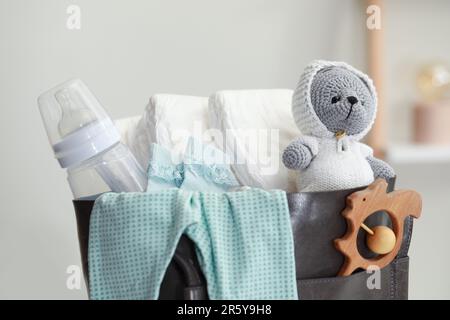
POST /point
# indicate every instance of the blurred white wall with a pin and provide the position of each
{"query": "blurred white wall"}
(416, 33)
(126, 51)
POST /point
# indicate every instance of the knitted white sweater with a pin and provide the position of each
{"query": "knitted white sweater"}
(337, 163)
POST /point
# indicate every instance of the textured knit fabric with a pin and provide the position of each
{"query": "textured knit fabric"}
(336, 164)
(339, 94)
(298, 155)
(380, 168)
(206, 168)
(243, 240)
(302, 109)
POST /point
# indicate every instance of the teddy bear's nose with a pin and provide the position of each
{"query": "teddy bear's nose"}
(352, 100)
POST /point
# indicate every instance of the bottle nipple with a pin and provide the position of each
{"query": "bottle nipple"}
(75, 113)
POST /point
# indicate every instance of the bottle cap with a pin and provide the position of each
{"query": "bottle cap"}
(77, 126)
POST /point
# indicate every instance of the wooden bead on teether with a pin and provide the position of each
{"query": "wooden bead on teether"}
(382, 240)
(361, 204)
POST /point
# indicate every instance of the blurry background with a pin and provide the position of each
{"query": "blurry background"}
(128, 50)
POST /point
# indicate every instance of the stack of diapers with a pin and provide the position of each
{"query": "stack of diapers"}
(171, 119)
(255, 125)
(251, 126)
(168, 120)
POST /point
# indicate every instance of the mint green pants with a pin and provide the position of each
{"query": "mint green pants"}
(243, 242)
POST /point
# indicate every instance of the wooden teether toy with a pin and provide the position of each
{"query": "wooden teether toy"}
(380, 239)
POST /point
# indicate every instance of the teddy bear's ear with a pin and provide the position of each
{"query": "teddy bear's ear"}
(368, 86)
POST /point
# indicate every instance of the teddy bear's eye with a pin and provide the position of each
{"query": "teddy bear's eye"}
(335, 99)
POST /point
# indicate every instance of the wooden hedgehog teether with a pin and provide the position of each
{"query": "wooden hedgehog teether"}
(381, 239)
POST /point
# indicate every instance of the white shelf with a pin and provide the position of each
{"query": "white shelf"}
(416, 153)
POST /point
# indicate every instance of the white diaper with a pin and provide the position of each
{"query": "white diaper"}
(171, 119)
(135, 135)
(256, 126)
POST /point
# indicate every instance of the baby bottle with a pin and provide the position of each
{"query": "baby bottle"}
(87, 144)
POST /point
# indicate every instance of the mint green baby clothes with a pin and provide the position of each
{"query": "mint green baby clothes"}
(205, 168)
(243, 241)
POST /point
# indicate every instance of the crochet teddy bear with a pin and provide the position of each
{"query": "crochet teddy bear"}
(334, 106)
